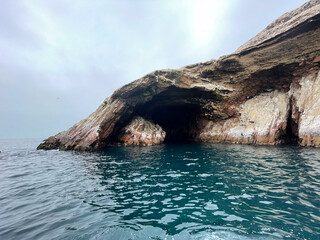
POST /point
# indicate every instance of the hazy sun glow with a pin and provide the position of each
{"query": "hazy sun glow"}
(206, 19)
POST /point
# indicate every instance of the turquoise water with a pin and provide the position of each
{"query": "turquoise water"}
(187, 191)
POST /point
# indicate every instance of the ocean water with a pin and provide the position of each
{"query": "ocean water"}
(177, 191)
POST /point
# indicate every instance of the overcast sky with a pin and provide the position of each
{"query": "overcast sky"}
(59, 59)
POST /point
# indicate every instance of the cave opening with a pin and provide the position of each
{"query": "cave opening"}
(178, 121)
(290, 135)
(176, 111)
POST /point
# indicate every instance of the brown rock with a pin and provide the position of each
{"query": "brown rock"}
(316, 59)
(240, 98)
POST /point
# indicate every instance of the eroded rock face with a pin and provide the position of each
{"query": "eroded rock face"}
(141, 132)
(262, 120)
(273, 118)
(267, 92)
(306, 105)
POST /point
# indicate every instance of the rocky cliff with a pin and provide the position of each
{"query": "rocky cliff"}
(267, 92)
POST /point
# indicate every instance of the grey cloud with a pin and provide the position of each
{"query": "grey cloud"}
(60, 58)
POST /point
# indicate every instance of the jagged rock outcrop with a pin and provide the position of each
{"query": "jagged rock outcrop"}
(141, 132)
(267, 92)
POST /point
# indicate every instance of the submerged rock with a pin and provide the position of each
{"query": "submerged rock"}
(267, 92)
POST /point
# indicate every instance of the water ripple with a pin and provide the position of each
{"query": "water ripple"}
(192, 191)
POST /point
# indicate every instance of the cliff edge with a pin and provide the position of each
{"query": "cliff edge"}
(267, 92)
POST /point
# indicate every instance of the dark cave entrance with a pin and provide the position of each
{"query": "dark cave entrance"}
(178, 121)
(176, 110)
(291, 135)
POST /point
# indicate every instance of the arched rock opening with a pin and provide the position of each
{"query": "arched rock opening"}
(175, 110)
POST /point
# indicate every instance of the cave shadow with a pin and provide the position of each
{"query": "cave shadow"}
(178, 121)
(176, 110)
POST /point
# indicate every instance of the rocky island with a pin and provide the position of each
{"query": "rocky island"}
(267, 92)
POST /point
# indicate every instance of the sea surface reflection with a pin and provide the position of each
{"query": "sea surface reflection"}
(176, 191)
